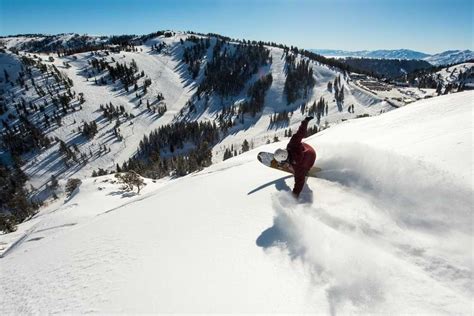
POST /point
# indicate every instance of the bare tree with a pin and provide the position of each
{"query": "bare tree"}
(130, 180)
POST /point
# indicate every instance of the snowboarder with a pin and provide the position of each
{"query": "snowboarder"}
(299, 156)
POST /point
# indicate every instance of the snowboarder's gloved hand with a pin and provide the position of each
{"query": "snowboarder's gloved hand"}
(308, 118)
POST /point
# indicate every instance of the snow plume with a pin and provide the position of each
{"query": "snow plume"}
(342, 265)
(415, 194)
(412, 209)
(375, 232)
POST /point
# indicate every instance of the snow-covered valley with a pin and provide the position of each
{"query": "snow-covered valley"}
(386, 227)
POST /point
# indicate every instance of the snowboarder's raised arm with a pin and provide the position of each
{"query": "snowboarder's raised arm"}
(301, 133)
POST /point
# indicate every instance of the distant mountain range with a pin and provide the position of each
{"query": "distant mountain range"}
(444, 58)
(450, 57)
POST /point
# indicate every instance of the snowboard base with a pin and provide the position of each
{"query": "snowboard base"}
(267, 159)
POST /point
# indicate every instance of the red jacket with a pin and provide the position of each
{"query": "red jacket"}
(301, 157)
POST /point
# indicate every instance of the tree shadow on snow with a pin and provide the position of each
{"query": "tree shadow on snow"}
(123, 193)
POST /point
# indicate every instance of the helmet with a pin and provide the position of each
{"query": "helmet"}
(280, 155)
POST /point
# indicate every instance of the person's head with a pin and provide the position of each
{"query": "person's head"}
(280, 155)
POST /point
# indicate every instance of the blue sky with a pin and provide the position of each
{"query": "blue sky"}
(426, 25)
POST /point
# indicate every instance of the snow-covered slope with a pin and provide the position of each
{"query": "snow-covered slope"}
(385, 228)
(51, 43)
(169, 76)
(165, 80)
(450, 57)
(460, 74)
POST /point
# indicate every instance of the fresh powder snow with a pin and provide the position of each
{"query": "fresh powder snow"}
(385, 227)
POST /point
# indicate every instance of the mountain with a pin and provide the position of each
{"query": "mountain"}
(383, 229)
(444, 79)
(52, 43)
(445, 58)
(164, 104)
(73, 106)
(450, 57)
(381, 54)
(387, 68)
(383, 225)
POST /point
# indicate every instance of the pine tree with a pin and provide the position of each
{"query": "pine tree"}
(438, 88)
(245, 146)
(71, 185)
(330, 86)
(53, 184)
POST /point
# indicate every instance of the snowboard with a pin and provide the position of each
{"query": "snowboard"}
(268, 160)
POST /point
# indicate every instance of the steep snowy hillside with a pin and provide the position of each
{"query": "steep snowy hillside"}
(457, 74)
(134, 85)
(385, 228)
(51, 43)
(445, 80)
